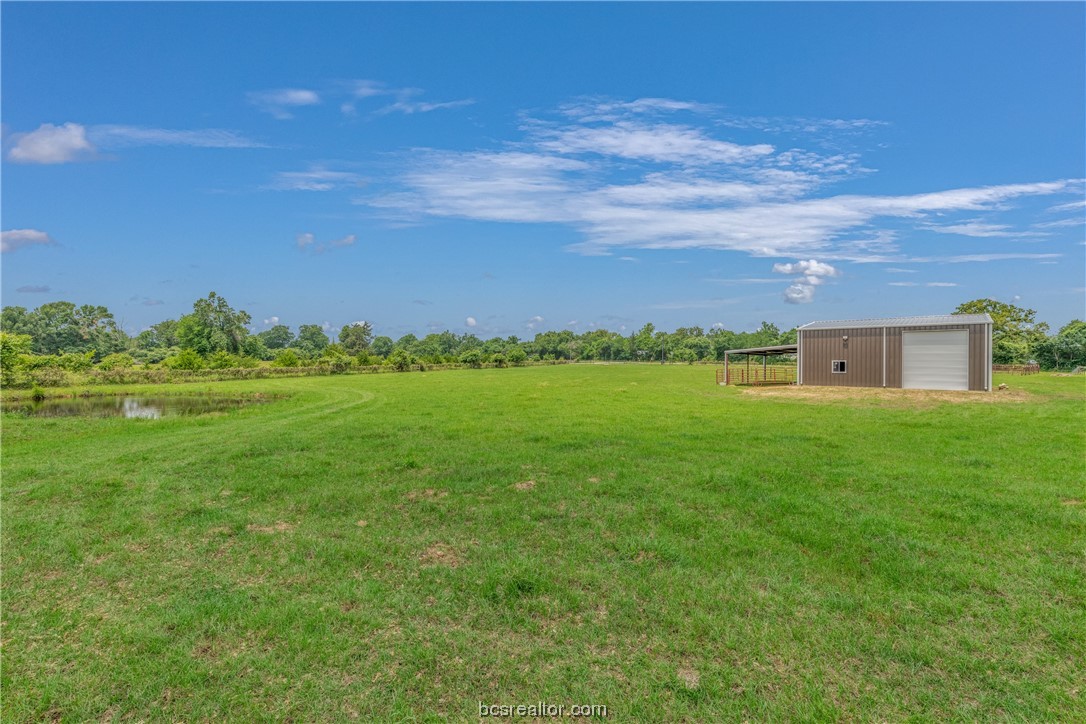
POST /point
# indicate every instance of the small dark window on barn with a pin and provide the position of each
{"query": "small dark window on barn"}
(839, 365)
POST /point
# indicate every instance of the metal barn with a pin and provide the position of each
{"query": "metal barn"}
(945, 352)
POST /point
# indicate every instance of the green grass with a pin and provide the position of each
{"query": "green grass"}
(687, 551)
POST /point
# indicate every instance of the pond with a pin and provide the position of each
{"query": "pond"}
(131, 406)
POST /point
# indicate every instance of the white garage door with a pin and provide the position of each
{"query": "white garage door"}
(935, 360)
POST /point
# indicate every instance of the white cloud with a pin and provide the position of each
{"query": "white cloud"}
(612, 171)
(941, 284)
(904, 284)
(18, 238)
(927, 284)
(534, 322)
(896, 270)
(968, 258)
(128, 136)
(316, 178)
(271, 321)
(409, 107)
(979, 229)
(812, 274)
(470, 322)
(799, 294)
(51, 144)
(660, 143)
(308, 241)
(278, 102)
(810, 268)
(1071, 206)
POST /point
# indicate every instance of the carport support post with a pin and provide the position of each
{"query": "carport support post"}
(726, 381)
(765, 361)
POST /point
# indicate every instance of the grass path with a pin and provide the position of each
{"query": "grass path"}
(404, 546)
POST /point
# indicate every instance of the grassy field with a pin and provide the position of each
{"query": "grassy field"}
(402, 547)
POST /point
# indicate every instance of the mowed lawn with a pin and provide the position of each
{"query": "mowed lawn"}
(405, 546)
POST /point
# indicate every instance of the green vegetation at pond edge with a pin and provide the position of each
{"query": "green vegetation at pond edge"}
(405, 546)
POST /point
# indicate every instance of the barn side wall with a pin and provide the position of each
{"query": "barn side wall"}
(864, 353)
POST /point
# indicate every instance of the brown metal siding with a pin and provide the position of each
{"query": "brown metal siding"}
(863, 352)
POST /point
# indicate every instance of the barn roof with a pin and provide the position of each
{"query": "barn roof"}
(936, 320)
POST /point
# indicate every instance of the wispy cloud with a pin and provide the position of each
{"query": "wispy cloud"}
(980, 258)
(19, 238)
(107, 136)
(626, 175)
(308, 242)
(280, 102)
(925, 284)
(980, 229)
(404, 100)
(73, 142)
(898, 270)
(1070, 206)
(32, 289)
(316, 178)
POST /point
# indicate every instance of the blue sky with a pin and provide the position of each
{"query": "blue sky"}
(508, 168)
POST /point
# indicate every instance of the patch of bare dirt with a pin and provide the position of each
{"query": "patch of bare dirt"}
(440, 554)
(1071, 501)
(279, 527)
(362, 523)
(886, 395)
(689, 676)
(593, 479)
(428, 494)
(526, 485)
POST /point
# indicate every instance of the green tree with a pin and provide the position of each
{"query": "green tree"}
(13, 347)
(213, 326)
(278, 337)
(1015, 331)
(1065, 350)
(382, 346)
(356, 337)
(311, 339)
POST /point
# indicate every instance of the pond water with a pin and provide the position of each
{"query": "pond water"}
(147, 408)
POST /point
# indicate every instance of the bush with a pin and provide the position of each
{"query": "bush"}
(287, 358)
(498, 359)
(186, 359)
(472, 358)
(401, 360)
(50, 377)
(13, 347)
(117, 360)
(222, 360)
(75, 361)
(517, 356)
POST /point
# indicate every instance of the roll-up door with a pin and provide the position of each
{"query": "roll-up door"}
(935, 360)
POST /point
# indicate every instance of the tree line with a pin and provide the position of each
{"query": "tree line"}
(66, 337)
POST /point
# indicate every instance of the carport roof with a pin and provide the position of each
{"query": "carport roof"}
(779, 349)
(937, 320)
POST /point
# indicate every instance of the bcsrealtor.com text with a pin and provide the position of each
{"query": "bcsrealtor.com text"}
(542, 709)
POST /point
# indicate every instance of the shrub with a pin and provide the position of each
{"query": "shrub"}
(115, 361)
(401, 360)
(517, 356)
(498, 359)
(222, 360)
(13, 347)
(76, 361)
(472, 358)
(50, 377)
(186, 359)
(287, 358)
